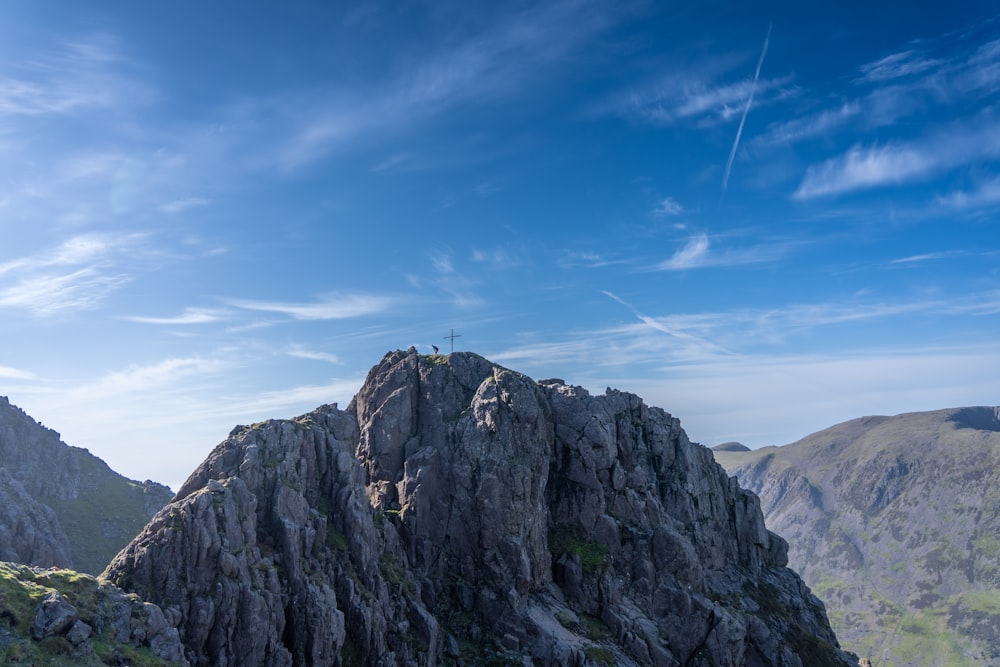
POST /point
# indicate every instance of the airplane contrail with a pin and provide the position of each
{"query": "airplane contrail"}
(746, 109)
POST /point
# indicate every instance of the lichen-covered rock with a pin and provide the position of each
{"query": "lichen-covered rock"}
(55, 616)
(459, 512)
(60, 617)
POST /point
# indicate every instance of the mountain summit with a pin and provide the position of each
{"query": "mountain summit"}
(458, 512)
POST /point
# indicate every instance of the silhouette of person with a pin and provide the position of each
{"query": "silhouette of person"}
(435, 348)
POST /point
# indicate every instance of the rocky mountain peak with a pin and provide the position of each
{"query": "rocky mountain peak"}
(459, 512)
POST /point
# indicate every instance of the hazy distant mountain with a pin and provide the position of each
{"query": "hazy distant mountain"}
(895, 523)
(731, 447)
(61, 505)
(459, 513)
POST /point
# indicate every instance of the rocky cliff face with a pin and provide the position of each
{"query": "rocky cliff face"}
(65, 506)
(29, 531)
(460, 513)
(895, 521)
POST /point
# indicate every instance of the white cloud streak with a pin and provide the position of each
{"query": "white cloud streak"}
(189, 316)
(483, 66)
(73, 76)
(897, 65)
(693, 255)
(9, 373)
(180, 205)
(333, 307)
(809, 126)
(76, 275)
(669, 207)
(898, 163)
(986, 193)
(303, 352)
(52, 294)
(746, 110)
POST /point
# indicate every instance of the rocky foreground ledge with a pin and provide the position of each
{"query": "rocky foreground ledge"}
(460, 513)
(61, 618)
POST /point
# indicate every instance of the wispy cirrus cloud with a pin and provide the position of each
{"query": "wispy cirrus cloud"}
(75, 75)
(687, 339)
(698, 253)
(938, 74)
(897, 65)
(482, 65)
(926, 257)
(693, 255)
(146, 377)
(680, 99)
(668, 207)
(809, 126)
(861, 168)
(903, 162)
(75, 275)
(181, 205)
(588, 259)
(58, 293)
(985, 193)
(9, 373)
(330, 307)
(303, 352)
(189, 316)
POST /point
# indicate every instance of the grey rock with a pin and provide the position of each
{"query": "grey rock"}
(54, 616)
(78, 633)
(30, 532)
(457, 498)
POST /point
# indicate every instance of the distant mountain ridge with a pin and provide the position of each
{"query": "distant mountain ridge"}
(460, 513)
(61, 505)
(895, 522)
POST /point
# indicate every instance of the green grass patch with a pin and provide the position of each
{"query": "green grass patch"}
(984, 601)
(599, 655)
(593, 556)
(106, 514)
(395, 574)
(987, 545)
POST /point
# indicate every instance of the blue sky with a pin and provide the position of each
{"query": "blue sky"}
(765, 218)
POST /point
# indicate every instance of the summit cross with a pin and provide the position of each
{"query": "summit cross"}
(453, 336)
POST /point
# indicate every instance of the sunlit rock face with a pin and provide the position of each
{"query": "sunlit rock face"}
(458, 512)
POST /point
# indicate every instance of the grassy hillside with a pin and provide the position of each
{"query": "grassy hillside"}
(894, 523)
(98, 510)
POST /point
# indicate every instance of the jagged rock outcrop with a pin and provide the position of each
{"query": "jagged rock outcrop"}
(65, 506)
(895, 521)
(61, 618)
(458, 512)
